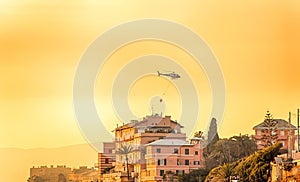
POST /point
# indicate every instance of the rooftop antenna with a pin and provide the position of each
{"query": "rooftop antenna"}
(298, 113)
(290, 155)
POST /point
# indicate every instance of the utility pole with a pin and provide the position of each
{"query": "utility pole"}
(298, 113)
(289, 139)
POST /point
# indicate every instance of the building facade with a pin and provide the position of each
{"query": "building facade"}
(282, 132)
(172, 155)
(139, 133)
(142, 136)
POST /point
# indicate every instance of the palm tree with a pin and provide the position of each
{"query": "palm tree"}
(125, 150)
(198, 134)
(225, 171)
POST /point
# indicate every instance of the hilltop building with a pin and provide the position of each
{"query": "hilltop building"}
(49, 174)
(282, 131)
(154, 141)
(62, 173)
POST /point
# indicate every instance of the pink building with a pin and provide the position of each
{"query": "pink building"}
(158, 146)
(139, 133)
(177, 156)
(282, 131)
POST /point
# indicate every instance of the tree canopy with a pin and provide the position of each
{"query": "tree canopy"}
(255, 167)
(269, 133)
(229, 150)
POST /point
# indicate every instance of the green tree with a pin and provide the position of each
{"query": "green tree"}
(125, 150)
(232, 149)
(198, 134)
(223, 151)
(269, 133)
(225, 172)
(244, 146)
(255, 167)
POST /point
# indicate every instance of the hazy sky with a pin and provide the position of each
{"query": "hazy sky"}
(41, 42)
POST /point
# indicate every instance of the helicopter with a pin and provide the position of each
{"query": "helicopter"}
(173, 75)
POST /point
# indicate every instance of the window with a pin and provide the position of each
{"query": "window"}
(175, 151)
(161, 172)
(196, 162)
(161, 162)
(186, 162)
(187, 151)
(258, 132)
(282, 132)
(158, 150)
(106, 161)
(196, 152)
(282, 143)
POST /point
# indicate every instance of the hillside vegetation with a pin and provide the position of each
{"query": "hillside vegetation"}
(253, 168)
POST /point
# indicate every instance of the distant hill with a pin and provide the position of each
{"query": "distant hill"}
(15, 163)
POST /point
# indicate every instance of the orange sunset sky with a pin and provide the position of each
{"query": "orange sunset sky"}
(41, 42)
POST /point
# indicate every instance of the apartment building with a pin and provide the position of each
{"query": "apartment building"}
(172, 155)
(139, 133)
(148, 134)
